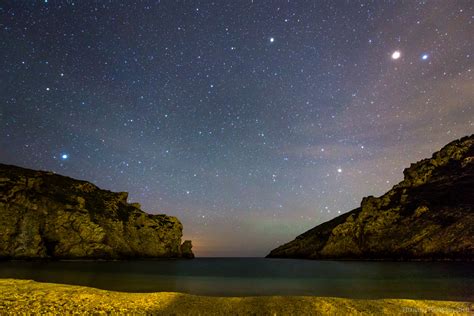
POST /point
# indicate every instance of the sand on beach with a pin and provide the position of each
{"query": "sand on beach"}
(30, 297)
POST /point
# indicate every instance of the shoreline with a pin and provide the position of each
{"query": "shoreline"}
(410, 260)
(31, 297)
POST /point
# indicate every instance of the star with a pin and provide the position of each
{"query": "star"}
(425, 56)
(396, 54)
(272, 39)
(64, 156)
(339, 170)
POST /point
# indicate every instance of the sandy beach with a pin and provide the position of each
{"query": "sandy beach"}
(30, 297)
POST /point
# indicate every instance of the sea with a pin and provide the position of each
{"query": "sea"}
(260, 277)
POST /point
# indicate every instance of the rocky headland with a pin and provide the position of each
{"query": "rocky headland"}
(46, 215)
(427, 216)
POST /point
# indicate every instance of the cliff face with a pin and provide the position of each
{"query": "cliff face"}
(45, 215)
(427, 216)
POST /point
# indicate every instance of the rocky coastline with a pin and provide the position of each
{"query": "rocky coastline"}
(44, 215)
(427, 216)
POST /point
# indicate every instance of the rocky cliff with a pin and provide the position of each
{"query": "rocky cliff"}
(45, 215)
(427, 216)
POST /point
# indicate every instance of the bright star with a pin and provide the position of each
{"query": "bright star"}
(425, 56)
(396, 54)
(272, 39)
(64, 156)
(339, 170)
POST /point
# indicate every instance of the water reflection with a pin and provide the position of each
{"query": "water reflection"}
(258, 276)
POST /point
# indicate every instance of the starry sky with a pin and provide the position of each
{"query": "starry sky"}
(251, 121)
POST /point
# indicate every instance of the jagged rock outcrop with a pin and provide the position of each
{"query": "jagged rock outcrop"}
(427, 216)
(45, 215)
(186, 251)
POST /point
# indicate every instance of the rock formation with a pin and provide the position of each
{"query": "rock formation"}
(186, 251)
(427, 216)
(45, 215)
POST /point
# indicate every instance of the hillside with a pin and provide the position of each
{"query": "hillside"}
(427, 216)
(45, 215)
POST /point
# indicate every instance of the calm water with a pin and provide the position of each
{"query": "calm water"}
(258, 276)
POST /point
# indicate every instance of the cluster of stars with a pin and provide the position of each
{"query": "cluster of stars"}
(397, 54)
(249, 121)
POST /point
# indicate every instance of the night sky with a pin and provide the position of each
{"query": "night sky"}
(251, 121)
